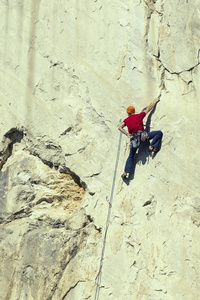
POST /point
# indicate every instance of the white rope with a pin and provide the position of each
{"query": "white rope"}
(107, 224)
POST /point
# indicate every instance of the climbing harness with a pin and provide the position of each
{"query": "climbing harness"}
(144, 136)
(137, 137)
(107, 224)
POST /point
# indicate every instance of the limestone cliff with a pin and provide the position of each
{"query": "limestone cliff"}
(68, 70)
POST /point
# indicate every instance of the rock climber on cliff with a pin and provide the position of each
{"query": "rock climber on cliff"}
(136, 133)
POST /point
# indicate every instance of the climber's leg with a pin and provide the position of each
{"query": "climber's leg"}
(129, 161)
(157, 137)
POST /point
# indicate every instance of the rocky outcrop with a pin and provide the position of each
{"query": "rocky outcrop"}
(67, 73)
(42, 229)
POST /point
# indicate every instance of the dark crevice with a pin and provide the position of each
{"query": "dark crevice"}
(90, 218)
(71, 288)
(66, 131)
(15, 135)
(23, 213)
(92, 193)
(147, 203)
(128, 243)
(98, 229)
(68, 154)
(47, 200)
(85, 224)
(198, 55)
(78, 181)
(19, 212)
(55, 64)
(46, 162)
(93, 175)
(73, 252)
(11, 137)
(76, 178)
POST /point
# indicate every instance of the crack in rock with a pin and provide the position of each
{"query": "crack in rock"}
(147, 203)
(93, 175)
(172, 72)
(71, 288)
(66, 131)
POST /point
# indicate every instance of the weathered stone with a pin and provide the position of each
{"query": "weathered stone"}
(68, 71)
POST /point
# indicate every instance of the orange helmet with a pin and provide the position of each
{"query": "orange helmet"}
(130, 110)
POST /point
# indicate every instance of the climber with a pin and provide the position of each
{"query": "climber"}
(136, 134)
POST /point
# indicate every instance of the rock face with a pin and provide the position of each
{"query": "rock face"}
(68, 70)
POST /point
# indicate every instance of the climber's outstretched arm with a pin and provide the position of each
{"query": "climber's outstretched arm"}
(121, 128)
(151, 106)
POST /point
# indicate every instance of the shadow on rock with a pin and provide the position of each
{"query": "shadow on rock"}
(141, 157)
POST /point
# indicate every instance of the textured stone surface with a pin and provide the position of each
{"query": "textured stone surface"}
(68, 70)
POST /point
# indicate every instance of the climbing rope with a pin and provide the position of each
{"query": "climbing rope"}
(107, 224)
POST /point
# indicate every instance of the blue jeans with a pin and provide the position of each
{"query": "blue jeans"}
(156, 136)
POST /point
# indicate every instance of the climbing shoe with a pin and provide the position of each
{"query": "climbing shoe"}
(153, 149)
(125, 176)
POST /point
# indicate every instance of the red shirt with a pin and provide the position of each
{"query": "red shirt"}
(135, 122)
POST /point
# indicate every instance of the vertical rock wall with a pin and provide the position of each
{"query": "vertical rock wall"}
(68, 70)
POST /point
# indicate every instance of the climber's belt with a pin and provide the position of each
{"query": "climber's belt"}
(137, 136)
